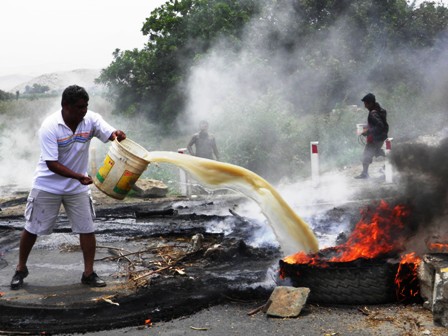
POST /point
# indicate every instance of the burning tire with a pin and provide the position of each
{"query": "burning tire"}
(358, 282)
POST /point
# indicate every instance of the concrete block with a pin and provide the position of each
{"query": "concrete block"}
(433, 276)
(149, 188)
(287, 301)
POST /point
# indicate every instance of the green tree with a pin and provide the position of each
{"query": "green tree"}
(36, 89)
(152, 80)
(376, 40)
(327, 50)
(179, 32)
(5, 95)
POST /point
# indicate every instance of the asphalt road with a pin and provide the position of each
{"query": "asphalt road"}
(233, 319)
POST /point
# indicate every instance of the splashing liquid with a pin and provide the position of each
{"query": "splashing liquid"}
(291, 231)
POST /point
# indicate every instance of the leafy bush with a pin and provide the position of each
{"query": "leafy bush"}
(6, 95)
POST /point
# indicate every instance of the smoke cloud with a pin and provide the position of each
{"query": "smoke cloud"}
(19, 145)
(266, 102)
(17, 150)
(424, 178)
(258, 98)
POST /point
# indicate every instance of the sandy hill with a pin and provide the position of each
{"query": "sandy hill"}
(57, 81)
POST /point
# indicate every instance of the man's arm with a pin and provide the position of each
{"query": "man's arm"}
(190, 145)
(62, 170)
(215, 149)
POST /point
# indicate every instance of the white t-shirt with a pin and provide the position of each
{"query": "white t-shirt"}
(59, 143)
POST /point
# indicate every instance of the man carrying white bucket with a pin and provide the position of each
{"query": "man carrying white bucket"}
(376, 133)
(61, 178)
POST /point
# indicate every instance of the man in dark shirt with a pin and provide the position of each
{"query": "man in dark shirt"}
(376, 133)
(205, 144)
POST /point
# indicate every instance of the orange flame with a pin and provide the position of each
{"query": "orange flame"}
(438, 247)
(406, 279)
(371, 238)
(380, 235)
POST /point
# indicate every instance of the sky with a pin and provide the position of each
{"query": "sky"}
(44, 36)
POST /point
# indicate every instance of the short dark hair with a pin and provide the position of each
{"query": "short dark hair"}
(73, 93)
(369, 98)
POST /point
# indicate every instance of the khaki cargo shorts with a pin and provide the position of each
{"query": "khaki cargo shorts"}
(42, 210)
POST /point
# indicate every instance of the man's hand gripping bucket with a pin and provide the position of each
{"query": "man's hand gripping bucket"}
(361, 128)
(122, 167)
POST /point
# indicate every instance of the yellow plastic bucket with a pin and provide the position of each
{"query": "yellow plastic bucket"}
(122, 167)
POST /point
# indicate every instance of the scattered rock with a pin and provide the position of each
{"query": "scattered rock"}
(287, 301)
(148, 188)
(196, 242)
(229, 249)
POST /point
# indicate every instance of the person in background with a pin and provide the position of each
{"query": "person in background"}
(204, 142)
(376, 133)
(61, 178)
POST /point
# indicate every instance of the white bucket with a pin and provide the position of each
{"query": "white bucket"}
(360, 128)
(122, 167)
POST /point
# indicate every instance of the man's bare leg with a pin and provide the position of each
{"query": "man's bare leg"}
(27, 241)
(88, 247)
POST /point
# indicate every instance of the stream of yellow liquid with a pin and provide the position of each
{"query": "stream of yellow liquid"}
(292, 233)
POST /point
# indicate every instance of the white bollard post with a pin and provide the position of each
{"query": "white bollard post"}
(388, 171)
(183, 178)
(314, 162)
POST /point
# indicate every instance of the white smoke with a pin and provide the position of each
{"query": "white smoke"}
(19, 143)
(258, 91)
(19, 157)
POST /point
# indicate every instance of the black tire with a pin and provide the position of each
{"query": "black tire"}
(345, 283)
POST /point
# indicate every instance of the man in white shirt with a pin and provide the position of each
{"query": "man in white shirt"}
(61, 178)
